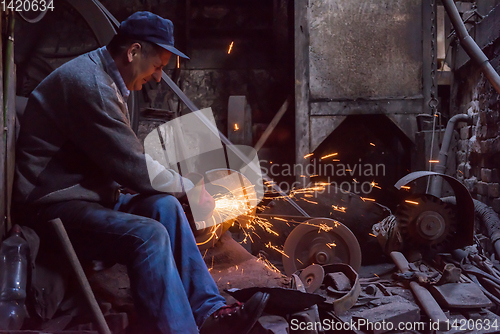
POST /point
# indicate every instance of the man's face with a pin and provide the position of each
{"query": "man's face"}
(144, 68)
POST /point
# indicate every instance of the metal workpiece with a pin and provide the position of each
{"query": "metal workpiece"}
(345, 299)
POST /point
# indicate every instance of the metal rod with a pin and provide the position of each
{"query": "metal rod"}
(428, 303)
(226, 141)
(272, 125)
(68, 249)
(470, 46)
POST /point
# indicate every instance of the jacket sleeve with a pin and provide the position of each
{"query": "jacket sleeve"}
(98, 124)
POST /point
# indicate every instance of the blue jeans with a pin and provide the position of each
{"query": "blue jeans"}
(172, 288)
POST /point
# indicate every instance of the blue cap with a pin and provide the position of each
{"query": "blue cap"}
(152, 28)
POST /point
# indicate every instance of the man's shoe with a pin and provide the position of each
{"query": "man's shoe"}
(237, 318)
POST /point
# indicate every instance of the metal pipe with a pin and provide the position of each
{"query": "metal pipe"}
(470, 46)
(440, 167)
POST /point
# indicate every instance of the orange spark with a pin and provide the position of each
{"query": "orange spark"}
(308, 155)
(405, 187)
(230, 47)
(329, 155)
(367, 199)
(178, 62)
(337, 208)
(372, 235)
(236, 128)
(433, 161)
(312, 202)
(412, 202)
(372, 144)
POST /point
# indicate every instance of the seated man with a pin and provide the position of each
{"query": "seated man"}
(76, 145)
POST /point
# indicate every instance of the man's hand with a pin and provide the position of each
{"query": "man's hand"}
(201, 202)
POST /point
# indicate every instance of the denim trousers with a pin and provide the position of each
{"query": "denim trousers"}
(172, 288)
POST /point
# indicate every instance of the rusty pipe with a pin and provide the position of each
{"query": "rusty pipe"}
(440, 167)
(470, 46)
(427, 302)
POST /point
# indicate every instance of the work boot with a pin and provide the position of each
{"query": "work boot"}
(236, 318)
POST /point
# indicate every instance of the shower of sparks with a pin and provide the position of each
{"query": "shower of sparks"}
(412, 202)
(265, 225)
(332, 244)
(339, 208)
(229, 206)
(308, 155)
(269, 245)
(230, 47)
(329, 155)
(375, 185)
(268, 264)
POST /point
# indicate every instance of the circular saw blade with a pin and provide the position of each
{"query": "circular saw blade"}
(320, 241)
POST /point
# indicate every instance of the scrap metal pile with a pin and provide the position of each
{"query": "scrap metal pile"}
(448, 279)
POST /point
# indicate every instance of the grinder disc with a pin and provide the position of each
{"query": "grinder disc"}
(322, 241)
(312, 277)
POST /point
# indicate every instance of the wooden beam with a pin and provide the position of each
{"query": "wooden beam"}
(2, 140)
(302, 126)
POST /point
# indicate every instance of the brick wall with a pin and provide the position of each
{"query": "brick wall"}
(478, 157)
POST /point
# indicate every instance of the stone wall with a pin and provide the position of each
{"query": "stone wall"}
(478, 156)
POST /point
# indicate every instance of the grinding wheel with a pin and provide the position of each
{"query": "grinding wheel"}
(235, 185)
(312, 277)
(322, 241)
